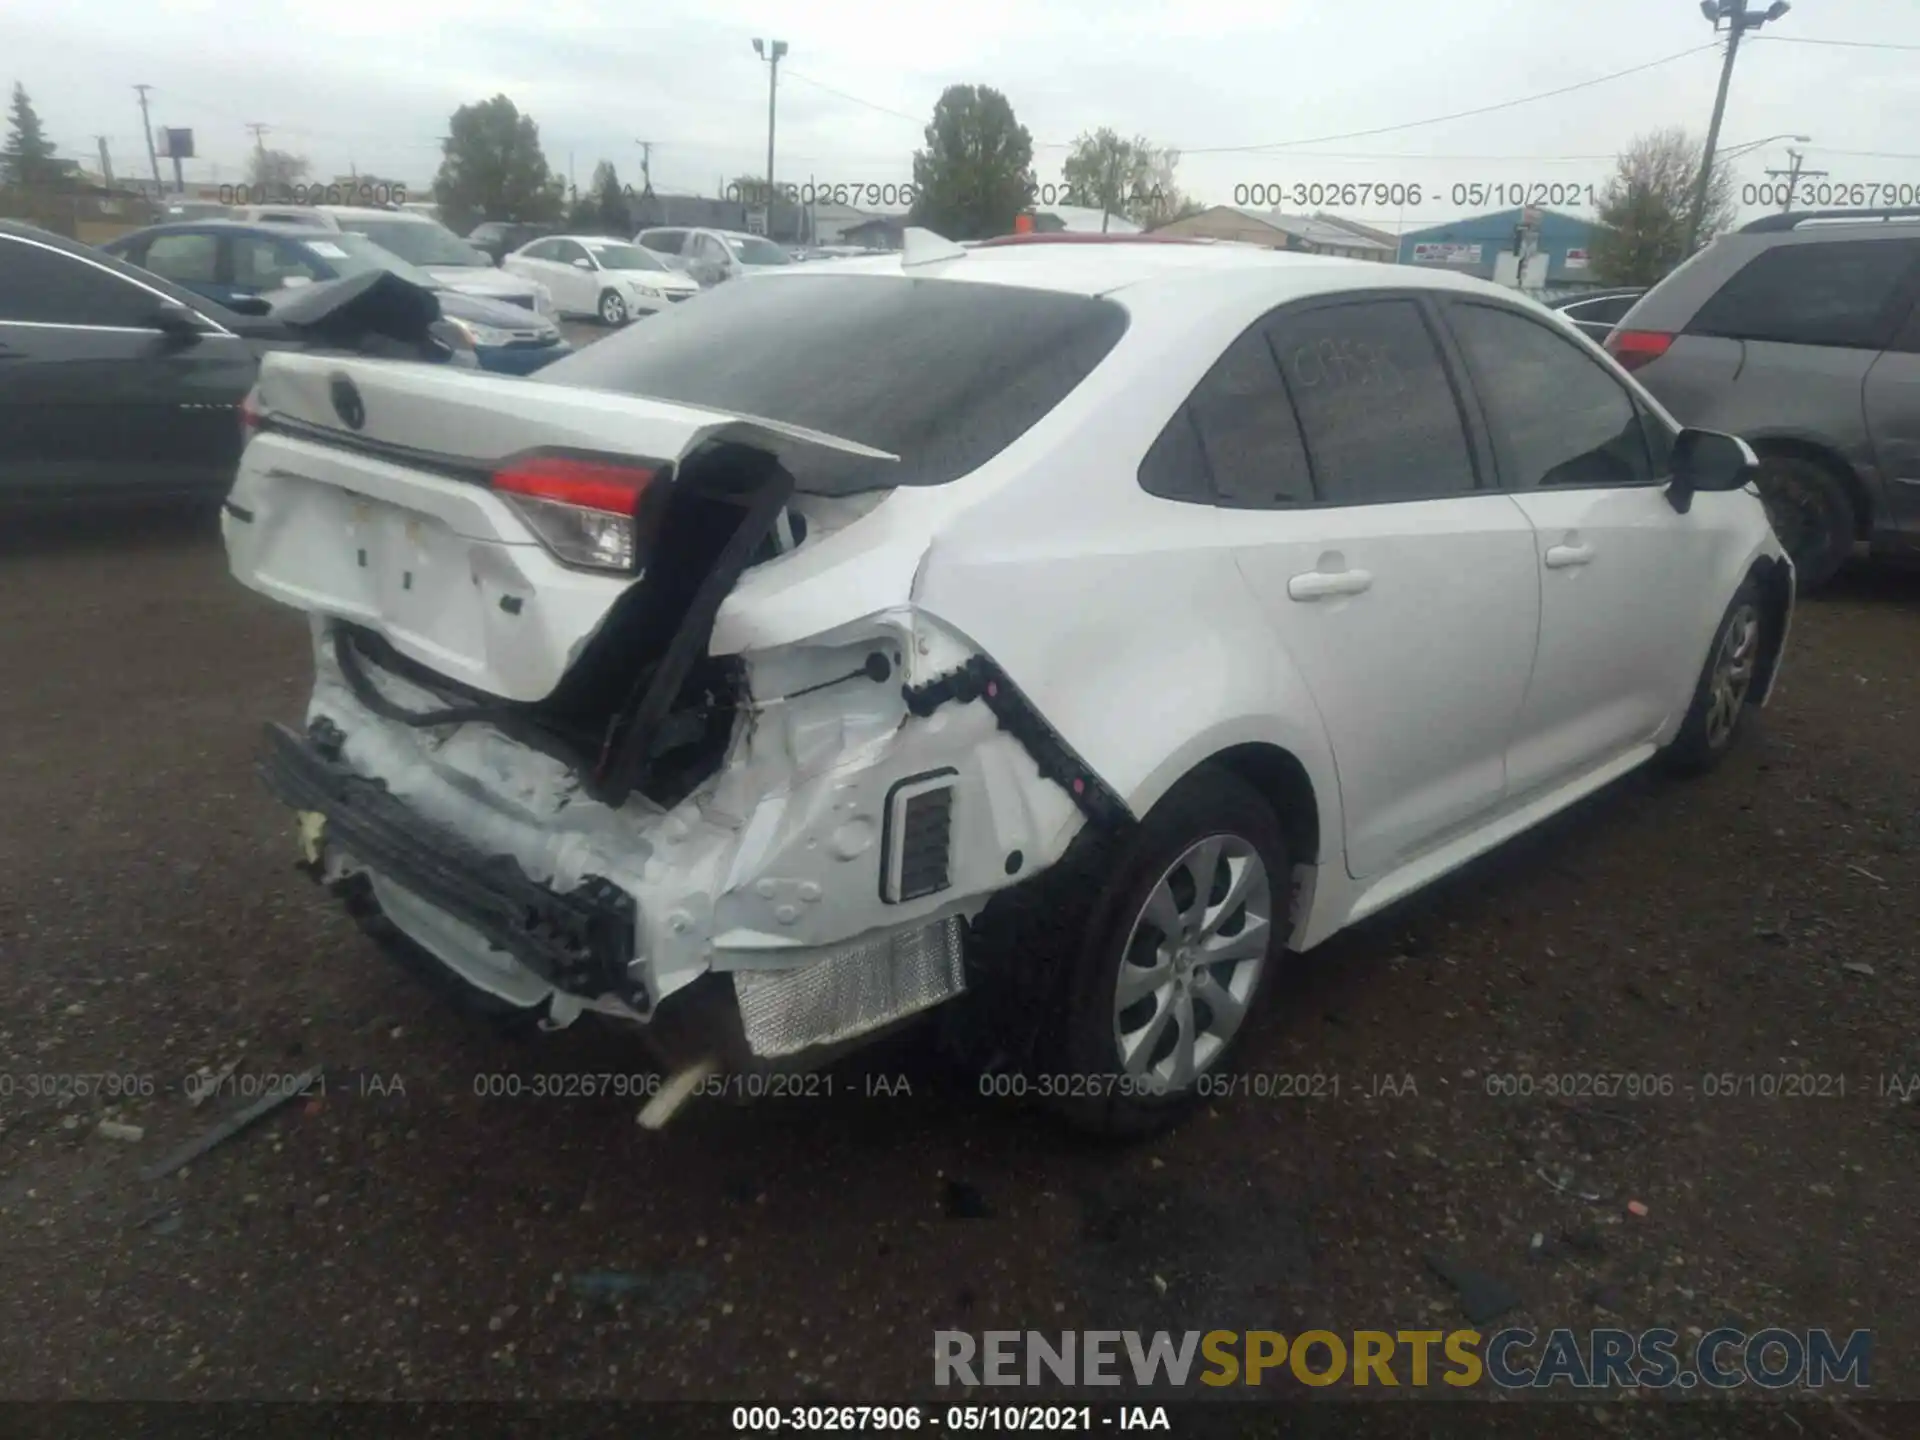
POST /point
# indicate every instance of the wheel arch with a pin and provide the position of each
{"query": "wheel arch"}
(1828, 457)
(1775, 579)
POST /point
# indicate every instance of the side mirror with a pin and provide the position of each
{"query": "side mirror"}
(179, 324)
(257, 305)
(583, 264)
(1706, 462)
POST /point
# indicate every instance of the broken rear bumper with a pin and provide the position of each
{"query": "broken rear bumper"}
(579, 941)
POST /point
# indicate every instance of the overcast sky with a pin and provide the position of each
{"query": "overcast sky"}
(369, 84)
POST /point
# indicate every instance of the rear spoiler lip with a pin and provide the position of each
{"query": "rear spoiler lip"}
(778, 437)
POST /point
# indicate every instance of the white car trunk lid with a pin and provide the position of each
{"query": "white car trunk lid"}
(364, 497)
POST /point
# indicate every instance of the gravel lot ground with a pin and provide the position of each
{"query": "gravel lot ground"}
(407, 1237)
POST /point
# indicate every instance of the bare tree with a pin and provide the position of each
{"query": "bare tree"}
(1647, 207)
(276, 170)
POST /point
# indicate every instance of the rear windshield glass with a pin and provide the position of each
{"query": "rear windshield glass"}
(942, 373)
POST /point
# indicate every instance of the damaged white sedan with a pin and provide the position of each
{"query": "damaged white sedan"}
(1076, 626)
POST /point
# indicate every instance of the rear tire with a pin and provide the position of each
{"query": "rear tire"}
(613, 310)
(1180, 948)
(1720, 698)
(1813, 514)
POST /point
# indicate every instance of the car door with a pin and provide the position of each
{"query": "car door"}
(1399, 587)
(1620, 571)
(581, 287)
(94, 396)
(708, 261)
(1892, 401)
(534, 262)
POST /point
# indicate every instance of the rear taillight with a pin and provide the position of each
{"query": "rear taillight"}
(252, 417)
(587, 512)
(1634, 348)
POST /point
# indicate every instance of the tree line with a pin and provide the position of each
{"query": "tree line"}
(972, 175)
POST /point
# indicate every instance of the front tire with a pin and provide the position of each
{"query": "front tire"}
(1182, 944)
(613, 310)
(1812, 512)
(1720, 697)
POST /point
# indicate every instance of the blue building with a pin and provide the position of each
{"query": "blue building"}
(1469, 246)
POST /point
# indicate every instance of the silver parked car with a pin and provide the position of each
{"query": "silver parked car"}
(711, 256)
(1801, 333)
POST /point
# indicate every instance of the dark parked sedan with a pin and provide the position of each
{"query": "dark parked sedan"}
(116, 380)
(224, 260)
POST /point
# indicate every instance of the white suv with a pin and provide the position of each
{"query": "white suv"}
(1076, 625)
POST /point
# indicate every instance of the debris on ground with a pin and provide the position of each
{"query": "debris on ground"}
(205, 1083)
(231, 1126)
(1482, 1297)
(1637, 1207)
(120, 1130)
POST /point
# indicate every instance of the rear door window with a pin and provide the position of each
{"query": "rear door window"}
(1375, 403)
(667, 242)
(942, 373)
(1558, 418)
(1846, 293)
(185, 259)
(44, 286)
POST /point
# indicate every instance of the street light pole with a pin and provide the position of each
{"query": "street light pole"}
(772, 52)
(1739, 20)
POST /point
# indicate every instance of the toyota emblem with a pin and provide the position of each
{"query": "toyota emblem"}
(347, 403)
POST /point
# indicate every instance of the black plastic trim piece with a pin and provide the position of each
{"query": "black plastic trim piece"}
(981, 679)
(239, 512)
(454, 468)
(624, 756)
(580, 941)
(886, 834)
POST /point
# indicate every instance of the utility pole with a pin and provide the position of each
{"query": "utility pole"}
(146, 128)
(1794, 177)
(260, 151)
(772, 51)
(1739, 20)
(646, 166)
(106, 164)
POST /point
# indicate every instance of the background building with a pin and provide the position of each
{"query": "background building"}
(1309, 234)
(1469, 246)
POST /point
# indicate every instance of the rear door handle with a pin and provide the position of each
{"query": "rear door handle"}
(1562, 557)
(1318, 584)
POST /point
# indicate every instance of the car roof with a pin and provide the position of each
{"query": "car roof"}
(589, 239)
(271, 227)
(1101, 269)
(373, 212)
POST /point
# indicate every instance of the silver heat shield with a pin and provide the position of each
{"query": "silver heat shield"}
(856, 988)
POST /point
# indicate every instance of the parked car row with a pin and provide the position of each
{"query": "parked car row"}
(227, 261)
(116, 379)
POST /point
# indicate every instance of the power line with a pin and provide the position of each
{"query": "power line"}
(1443, 119)
(1186, 150)
(1841, 44)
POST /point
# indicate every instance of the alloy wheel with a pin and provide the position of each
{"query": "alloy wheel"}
(1732, 677)
(1193, 958)
(612, 310)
